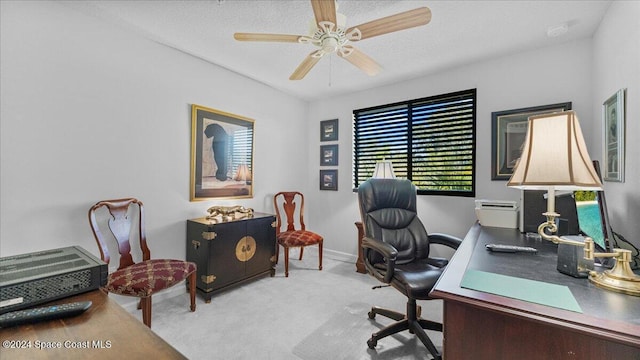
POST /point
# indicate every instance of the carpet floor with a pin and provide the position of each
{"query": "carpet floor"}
(311, 315)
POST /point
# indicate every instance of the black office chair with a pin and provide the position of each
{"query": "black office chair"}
(396, 252)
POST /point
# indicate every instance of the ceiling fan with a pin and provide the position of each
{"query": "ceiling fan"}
(330, 36)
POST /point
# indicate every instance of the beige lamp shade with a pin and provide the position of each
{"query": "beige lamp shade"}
(555, 156)
(384, 170)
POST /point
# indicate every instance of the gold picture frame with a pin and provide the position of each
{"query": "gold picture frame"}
(221, 155)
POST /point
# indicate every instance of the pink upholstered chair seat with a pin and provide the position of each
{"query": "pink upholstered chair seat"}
(148, 277)
(298, 238)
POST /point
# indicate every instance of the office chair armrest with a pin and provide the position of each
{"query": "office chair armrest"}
(387, 251)
(445, 239)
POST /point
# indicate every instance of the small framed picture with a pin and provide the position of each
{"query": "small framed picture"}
(329, 155)
(329, 130)
(613, 137)
(329, 180)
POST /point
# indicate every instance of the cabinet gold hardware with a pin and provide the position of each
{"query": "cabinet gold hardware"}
(246, 248)
(208, 279)
(209, 235)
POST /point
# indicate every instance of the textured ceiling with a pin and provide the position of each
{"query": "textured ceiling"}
(460, 32)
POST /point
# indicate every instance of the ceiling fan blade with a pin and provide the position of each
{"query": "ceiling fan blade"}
(397, 22)
(266, 37)
(361, 60)
(309, 62)
(324, 10)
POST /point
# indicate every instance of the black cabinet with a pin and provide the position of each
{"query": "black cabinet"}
(230, 252)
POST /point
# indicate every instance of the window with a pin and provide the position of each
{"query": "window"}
(431, 141)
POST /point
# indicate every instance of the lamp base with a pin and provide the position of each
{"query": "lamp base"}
(621, 278)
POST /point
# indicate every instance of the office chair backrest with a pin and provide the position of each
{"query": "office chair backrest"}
(388, 211)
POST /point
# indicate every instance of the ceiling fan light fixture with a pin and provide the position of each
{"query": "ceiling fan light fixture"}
(330, 44)
(330, 38)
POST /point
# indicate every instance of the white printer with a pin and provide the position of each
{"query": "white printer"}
(497, 213)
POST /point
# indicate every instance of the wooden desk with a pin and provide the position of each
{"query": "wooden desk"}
(105, 331)
(480, 325)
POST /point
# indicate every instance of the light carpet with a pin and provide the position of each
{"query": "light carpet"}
(309, 315)
(344, 335)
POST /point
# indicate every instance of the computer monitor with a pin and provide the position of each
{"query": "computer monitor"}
(593, 217)
(590, 218)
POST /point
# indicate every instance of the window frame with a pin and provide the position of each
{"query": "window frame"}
(413, 123)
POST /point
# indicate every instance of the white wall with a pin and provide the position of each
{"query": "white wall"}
(616, 54)
(90, 112)
(544, 76)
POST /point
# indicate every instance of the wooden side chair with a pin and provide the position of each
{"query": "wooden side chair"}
(296, 234)
(144, 278)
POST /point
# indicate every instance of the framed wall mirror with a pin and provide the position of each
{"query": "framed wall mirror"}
(508, 131)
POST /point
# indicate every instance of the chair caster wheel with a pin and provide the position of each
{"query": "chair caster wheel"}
(371, 314)
(372, 343)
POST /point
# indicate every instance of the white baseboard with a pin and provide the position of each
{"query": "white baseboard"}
(332, 254)
(341, 256)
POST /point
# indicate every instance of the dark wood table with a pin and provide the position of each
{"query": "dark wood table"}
(481, 325)
(105, 331)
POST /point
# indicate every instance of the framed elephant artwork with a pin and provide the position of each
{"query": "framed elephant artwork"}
(221, 155)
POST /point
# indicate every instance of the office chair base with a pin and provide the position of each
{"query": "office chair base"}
(391, 314)
(410, 322)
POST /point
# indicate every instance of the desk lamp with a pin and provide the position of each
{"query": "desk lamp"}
(554, 157)
(384, 170)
